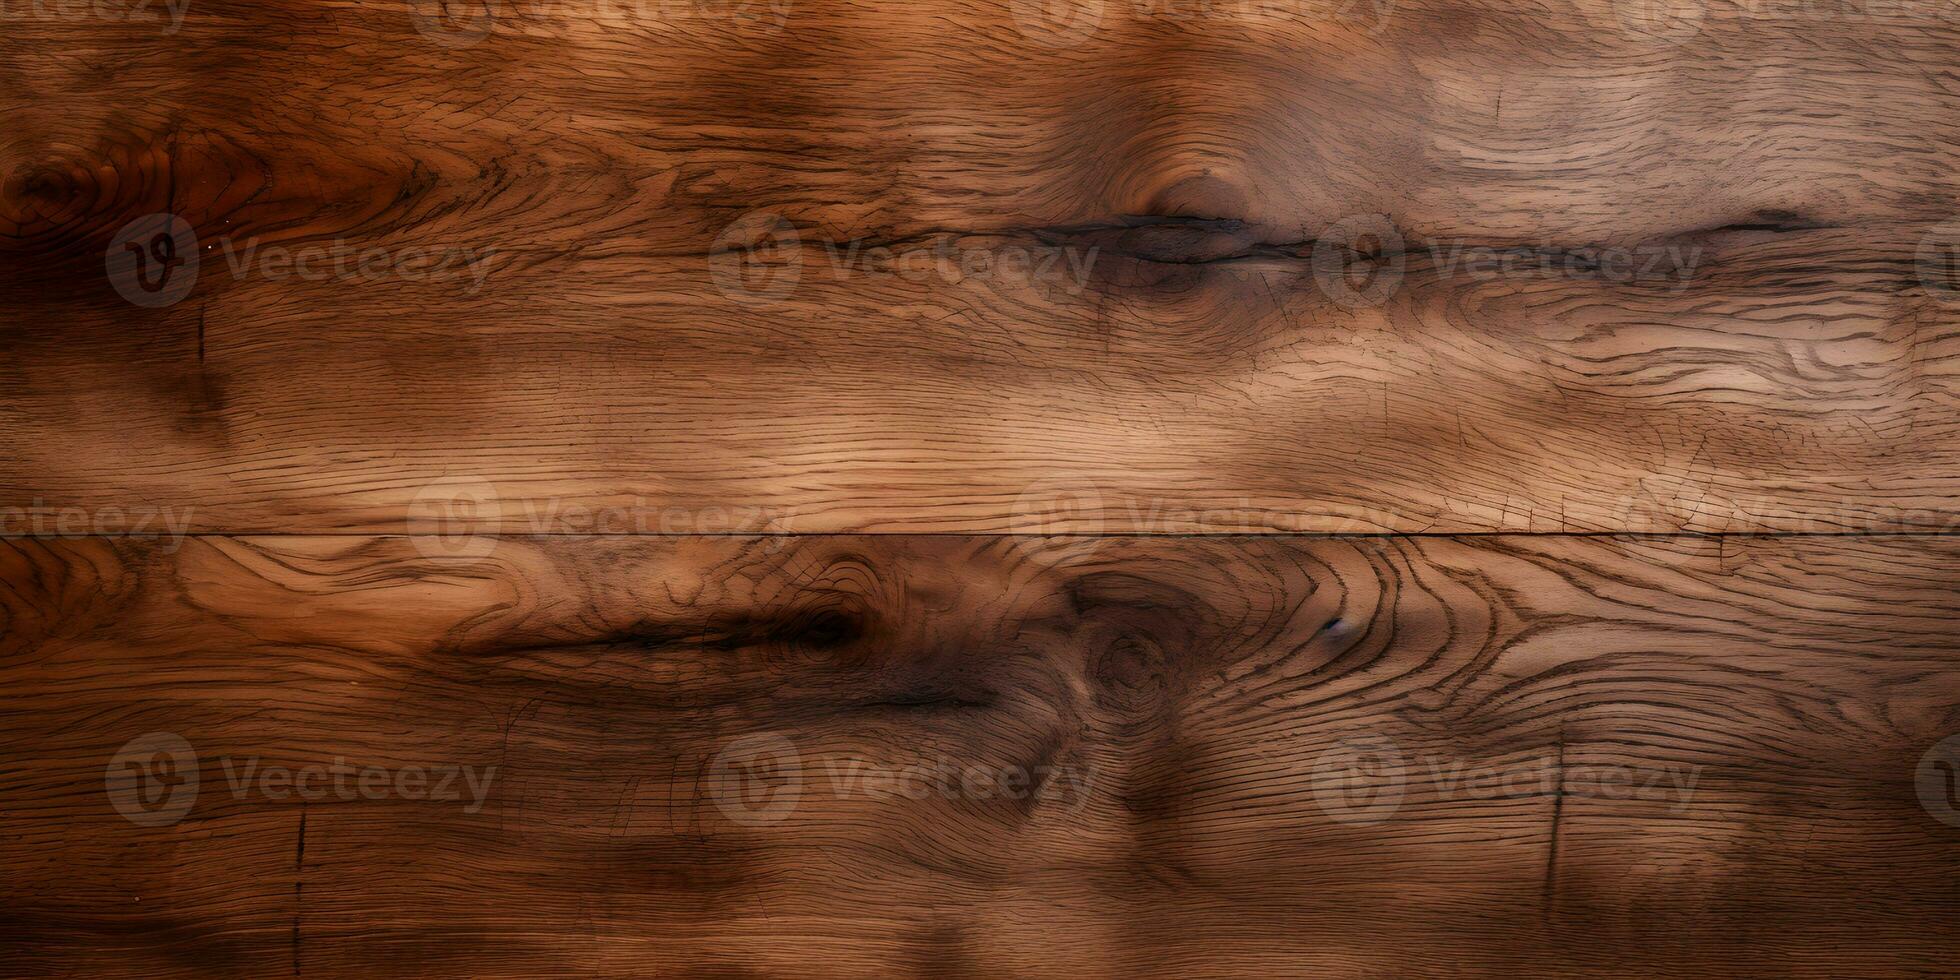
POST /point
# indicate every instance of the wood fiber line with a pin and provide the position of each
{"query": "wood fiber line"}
(1761, 345)
(1531, 754)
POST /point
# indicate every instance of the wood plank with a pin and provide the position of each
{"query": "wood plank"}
(1794, 386)
(1367, 756)
(1198, 377)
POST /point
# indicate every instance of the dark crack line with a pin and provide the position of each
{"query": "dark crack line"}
(1551, 854)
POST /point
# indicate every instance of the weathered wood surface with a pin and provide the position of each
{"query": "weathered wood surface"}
(1773, 347)
(1308, 757)
(676, 273)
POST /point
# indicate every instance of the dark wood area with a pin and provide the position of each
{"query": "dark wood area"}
(1246, 756)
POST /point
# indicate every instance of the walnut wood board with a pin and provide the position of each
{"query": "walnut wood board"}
(1366, 756)
(1777, 354)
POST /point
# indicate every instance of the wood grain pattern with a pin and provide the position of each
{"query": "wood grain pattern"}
(1171, 364)
(1076, 488)
(1659, 756)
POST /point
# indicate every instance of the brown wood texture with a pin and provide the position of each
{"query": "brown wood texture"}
(1767, 351)
(1074, 488)
(1304, 757)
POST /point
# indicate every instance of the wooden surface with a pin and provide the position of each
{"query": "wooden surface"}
(1766, 355)
(1605, 756)
(862, 488)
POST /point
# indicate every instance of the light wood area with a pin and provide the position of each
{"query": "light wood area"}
(1638, 272)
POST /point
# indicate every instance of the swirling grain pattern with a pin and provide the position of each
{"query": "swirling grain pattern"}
(1074, 488)
(1054, 264)
(942, 756)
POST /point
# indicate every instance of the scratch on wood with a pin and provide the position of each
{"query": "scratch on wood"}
(1551, 854)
